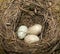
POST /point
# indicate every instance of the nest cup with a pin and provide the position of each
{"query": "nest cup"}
(29, 13)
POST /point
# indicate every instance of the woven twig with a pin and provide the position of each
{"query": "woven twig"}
(19, 13)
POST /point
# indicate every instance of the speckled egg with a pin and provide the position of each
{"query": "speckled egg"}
(22, 28)
(21, 35)
(22, 31)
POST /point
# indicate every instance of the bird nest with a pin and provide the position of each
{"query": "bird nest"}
(24, 12)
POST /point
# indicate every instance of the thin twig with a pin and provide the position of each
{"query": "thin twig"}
(36, 4)
(54, 48)
(9, 6)
(29, 12)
